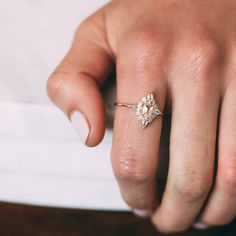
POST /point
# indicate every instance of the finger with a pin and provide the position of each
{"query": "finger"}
(192, 144)
(134, 149)
(74, 86)
(221, 206)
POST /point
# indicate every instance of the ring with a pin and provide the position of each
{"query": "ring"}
(146, 109)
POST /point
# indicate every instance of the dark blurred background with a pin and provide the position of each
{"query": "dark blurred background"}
(19, 220)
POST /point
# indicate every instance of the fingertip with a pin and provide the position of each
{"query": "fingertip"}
(143, 213)
(96, 134)
(90, 127)
(80, 125)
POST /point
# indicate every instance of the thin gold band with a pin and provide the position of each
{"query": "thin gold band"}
(124, 105)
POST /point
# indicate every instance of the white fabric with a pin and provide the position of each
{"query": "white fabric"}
(41, 159)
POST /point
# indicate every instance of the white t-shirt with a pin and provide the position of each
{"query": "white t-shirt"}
(41, 159)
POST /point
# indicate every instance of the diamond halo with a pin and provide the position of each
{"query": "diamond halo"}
(147, 110)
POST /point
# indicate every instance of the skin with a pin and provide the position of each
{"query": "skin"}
(184, 52)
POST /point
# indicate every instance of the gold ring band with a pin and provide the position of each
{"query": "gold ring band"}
(124, 105)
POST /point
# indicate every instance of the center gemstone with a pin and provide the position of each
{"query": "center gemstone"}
(147, 110)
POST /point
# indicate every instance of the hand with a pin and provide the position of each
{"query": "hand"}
(184, 52)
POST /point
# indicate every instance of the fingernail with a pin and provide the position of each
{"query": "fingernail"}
(142, 213)
(200, 226)
(80, 125)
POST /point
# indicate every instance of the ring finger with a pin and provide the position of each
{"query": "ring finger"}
(135, 149)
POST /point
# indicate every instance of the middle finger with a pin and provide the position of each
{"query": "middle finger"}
(195, 105)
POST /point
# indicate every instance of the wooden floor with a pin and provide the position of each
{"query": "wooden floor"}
(24, 220)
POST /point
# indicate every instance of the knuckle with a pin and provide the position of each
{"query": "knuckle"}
(192, 186)
(58, 82)
(56, 85)
(144, 37)
(189, 193)
(200, 55)
(146, 44)
(130, 166)
(146, 49)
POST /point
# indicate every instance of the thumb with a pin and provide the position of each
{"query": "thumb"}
(74, 85)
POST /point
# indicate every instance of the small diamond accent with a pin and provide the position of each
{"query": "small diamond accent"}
(147, 110)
